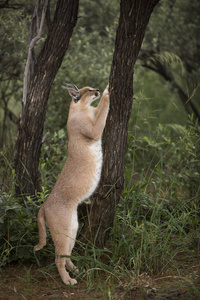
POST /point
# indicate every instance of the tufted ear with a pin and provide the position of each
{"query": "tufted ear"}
(74, 94)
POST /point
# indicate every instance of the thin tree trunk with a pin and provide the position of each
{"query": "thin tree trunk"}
(134, 17)
(43, 72)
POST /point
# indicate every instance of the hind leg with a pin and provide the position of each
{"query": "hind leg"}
(64, 235)
(61, 242)
(72, 239)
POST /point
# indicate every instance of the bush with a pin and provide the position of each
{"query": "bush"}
(158, 216)
(150, 233)
(156, 221)
(18, 228)
(166, 162)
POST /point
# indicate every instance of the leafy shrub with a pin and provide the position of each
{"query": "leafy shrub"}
(167, 161)
(156, 221)
(158, 216)
(18, 228)
(150, 233)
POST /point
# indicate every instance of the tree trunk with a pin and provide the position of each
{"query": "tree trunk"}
(41, 77)
(134, 17)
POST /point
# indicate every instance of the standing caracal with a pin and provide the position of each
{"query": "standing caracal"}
(79, 177)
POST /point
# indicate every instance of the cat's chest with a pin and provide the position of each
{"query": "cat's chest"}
(96, 153)
(96, 160)
(97, 157)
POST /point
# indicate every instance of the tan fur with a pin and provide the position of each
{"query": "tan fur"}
(79, 177)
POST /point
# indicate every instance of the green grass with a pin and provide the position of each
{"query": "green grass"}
(155, 236)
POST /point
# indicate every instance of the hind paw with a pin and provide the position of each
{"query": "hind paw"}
(38, 247)
(70, 281)
(76, 271)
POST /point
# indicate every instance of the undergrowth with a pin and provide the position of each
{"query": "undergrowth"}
(156, 221)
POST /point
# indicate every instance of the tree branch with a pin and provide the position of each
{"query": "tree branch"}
(32, 42)
(157, 66)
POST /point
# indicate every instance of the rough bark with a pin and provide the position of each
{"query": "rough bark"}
(41, 77)
(134, 17)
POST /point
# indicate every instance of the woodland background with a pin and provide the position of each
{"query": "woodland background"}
(156, 228)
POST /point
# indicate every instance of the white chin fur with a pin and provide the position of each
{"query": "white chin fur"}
(94, 98)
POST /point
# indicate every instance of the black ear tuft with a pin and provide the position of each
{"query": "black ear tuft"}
(72, 86)
(76, 100)
(74, 94)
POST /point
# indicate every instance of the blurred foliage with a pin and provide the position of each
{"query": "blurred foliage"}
(12, 58)
(174, 29)
(174, 26)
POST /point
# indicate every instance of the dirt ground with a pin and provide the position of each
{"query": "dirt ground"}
(31, 283)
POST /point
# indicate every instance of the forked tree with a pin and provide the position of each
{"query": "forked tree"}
(39, 75)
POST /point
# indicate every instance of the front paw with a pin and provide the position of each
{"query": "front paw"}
(106, 91)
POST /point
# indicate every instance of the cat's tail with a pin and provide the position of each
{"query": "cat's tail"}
(41, 229)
